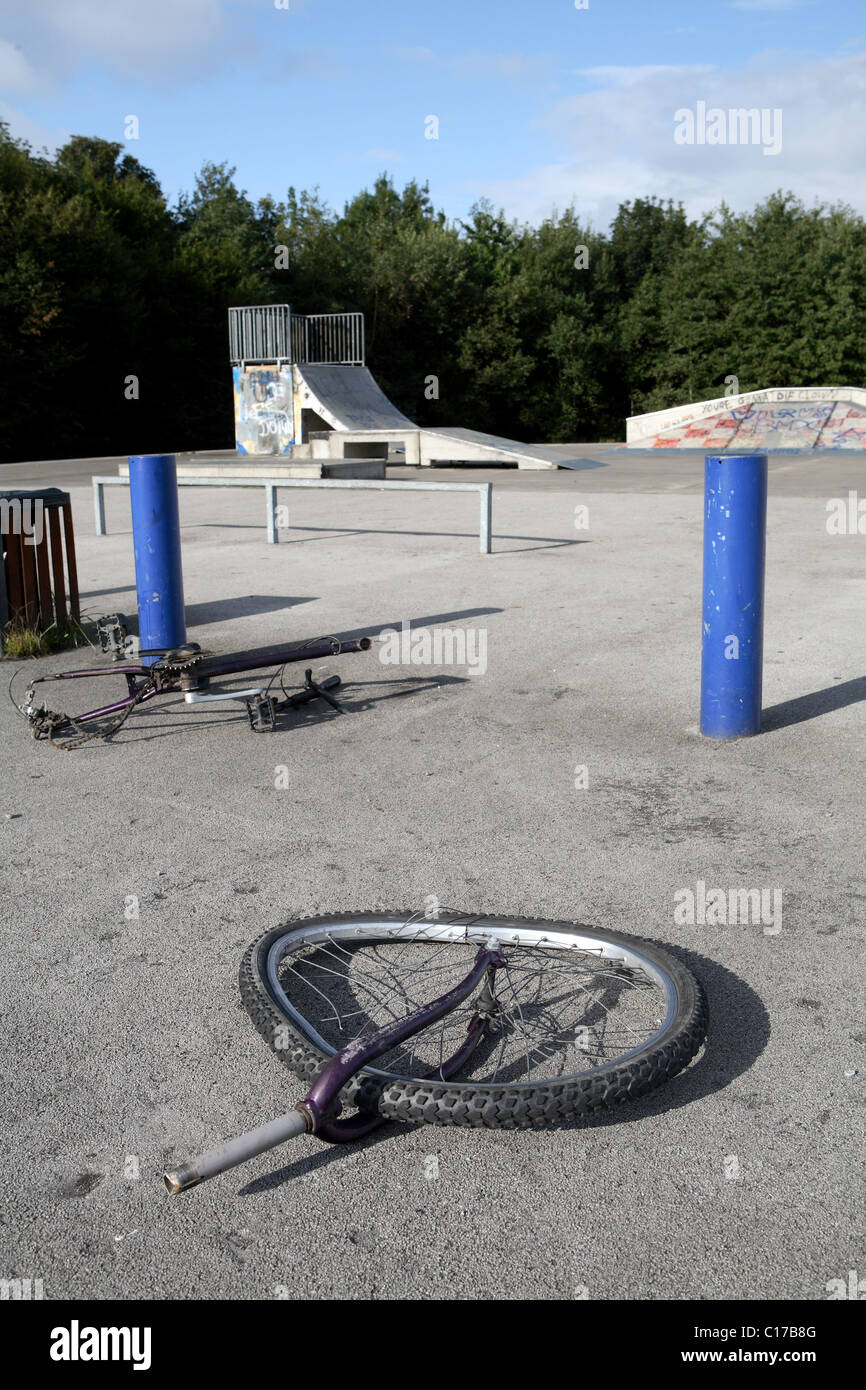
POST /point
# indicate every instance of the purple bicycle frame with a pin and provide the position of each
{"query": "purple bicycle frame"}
(317, 1113)
(157, 682)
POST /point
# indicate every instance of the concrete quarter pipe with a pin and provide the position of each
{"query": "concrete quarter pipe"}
(346, 398)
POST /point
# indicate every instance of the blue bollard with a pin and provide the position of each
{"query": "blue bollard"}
(156, 543)
(732, 654)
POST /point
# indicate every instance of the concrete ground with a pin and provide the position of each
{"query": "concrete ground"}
(124, 1044)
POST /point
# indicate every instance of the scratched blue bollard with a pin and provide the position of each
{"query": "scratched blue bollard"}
(156, 543)
(732, 653)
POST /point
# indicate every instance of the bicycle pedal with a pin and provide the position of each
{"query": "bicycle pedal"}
(262, 713)
(113, 636)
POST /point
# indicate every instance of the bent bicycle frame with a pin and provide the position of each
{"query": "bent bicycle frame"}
(145, 682)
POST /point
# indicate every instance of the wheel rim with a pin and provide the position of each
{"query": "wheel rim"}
(572, 1002)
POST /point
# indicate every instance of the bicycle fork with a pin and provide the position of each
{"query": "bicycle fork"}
(318, 1112)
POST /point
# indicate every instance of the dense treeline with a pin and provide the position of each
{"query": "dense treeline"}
(554, 332)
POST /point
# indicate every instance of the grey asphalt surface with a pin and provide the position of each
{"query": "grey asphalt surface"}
(125, 1047)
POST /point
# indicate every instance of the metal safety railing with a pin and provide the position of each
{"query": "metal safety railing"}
(337, 338)
(260, 333)
(263, 333)
(271, 486)
(299, 338)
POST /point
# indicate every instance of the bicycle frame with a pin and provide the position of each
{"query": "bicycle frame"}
(318, 1112)
(146, 682)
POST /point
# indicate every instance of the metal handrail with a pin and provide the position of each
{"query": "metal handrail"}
(271, 485)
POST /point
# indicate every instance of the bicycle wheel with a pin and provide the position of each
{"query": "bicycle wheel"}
(583, 1019)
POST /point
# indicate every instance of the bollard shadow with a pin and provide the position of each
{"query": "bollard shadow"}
(372, 629)
(219, 610)
(431, 620)
(222, 609)
(812, 706)
(100, 593)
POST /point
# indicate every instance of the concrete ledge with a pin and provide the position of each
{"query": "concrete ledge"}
(275, 468)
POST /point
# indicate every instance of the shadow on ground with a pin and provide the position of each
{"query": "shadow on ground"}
(220, 610)
(372, 629)
(739, 1031)
(330, 532)
(812, 706)
(314, 712)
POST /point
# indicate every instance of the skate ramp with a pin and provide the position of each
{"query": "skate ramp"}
(454, 445)
(346, 398)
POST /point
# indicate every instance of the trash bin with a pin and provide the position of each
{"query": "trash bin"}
(39, 581)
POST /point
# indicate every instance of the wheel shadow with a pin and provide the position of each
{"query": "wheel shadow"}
(739, 1030)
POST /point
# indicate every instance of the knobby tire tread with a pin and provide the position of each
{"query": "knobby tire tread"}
(488, 1105)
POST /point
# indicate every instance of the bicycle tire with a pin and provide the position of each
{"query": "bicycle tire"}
(496, 1105)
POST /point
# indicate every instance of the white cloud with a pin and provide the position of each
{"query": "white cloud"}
(157, 40)
(615, 143)
(129, 38)
(16, 74)
(127, 30)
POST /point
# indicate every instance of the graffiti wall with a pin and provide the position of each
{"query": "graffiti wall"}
(263, 410)
(846, 429)
(818, 424)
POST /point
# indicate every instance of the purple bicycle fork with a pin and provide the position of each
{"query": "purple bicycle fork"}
(317, 1113)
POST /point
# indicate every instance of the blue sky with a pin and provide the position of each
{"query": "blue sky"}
(538, 103)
